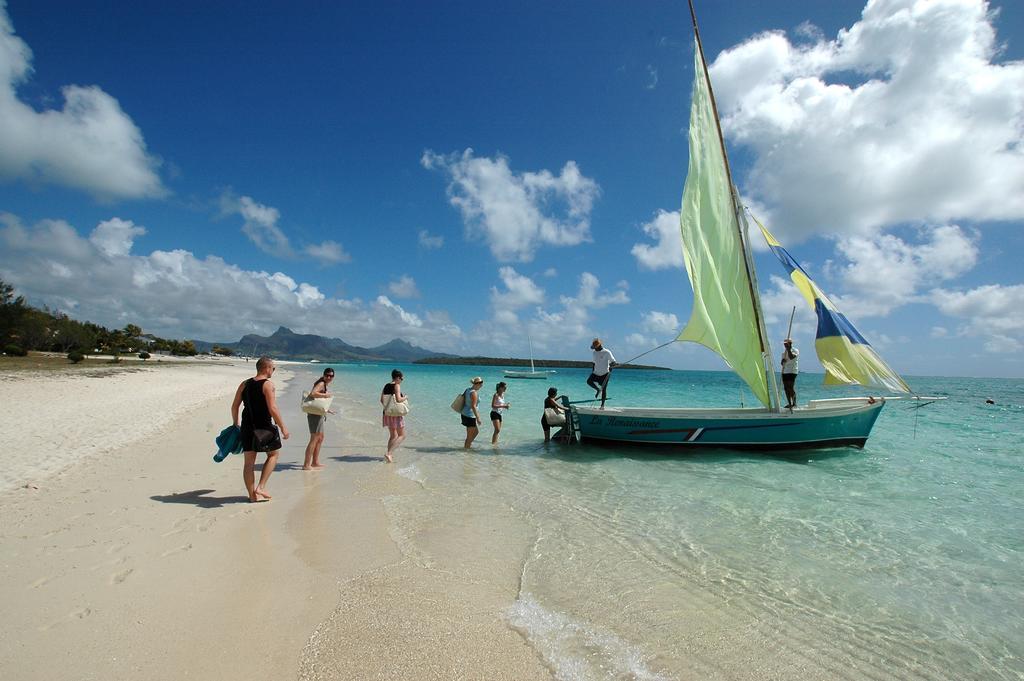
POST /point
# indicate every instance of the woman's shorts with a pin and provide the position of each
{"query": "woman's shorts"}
(469, 421)
(495, 415)
(316, 423)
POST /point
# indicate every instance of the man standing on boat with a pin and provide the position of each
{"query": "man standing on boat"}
(603, 362)
(790, 368)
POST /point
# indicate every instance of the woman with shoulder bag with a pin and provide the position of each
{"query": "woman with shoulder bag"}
(317, 422)
(391, 395)
(470, 415)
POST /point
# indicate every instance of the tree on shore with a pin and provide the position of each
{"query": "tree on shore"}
(28, 328)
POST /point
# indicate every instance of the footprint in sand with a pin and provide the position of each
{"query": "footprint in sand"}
(119, 577)
(177, 527)
(206, 524)
(186, 547)
(110, 563)
(57, 531)
(70, 617)
(39, 582)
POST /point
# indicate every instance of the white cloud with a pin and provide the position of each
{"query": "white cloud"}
(260, 225)
(176, 294)
(638, 340)
(514, 213)
(667, 251)
(115, 236)
(327, 253)
(906, 116)
(663, 324)
(519, 292)
(885, 272)
(90, 144)
(405, 287)
(590, 295)
(939, 332)
(429, 241)
(574, 321)
(994, 313)
(998, 344)
(409, 319)
(652, 77)
(556, 328)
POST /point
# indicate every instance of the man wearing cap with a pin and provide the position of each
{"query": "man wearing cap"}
(603, 361)
(790, 368)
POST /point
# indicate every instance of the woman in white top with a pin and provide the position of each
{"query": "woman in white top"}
(498, 402)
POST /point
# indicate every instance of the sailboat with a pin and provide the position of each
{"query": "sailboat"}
(727, 318)
(532, 373)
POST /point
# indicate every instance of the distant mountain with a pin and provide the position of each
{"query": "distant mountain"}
(286, 344)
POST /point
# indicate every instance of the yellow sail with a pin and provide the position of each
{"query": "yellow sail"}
(723, 317)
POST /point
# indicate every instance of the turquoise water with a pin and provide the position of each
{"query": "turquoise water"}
(901, 560)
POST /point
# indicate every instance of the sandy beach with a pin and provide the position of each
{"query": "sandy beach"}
(131, 554)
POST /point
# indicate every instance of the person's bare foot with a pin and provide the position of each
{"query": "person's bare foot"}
(307, 468)
(253, 498)
(262, 495)
(388, 458)
(318, 465)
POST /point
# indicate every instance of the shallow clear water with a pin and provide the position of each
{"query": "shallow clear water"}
(900, 560)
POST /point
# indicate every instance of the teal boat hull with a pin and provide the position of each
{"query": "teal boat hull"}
(822, 423)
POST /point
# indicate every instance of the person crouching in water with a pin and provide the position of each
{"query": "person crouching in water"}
(470, 414)
(498, 402)
(550, 403)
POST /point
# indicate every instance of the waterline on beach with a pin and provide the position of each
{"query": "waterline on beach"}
(617, 562)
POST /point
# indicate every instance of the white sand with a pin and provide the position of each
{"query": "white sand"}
(140, 558)
(53, 419)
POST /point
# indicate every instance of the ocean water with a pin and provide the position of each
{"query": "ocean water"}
(901, 560)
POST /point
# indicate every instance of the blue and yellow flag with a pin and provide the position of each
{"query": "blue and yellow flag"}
(845, 354)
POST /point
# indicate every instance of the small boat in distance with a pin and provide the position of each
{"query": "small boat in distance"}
(532, 373)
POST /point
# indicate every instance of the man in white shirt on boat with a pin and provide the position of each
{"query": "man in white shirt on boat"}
(603, 362)
(790, 368)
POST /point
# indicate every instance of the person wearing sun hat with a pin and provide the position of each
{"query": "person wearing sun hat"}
(604, 360)
(470, 414)
(790, 368)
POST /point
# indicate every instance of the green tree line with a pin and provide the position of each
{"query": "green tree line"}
(24, 328)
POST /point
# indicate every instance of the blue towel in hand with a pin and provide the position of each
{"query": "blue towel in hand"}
(228, 442)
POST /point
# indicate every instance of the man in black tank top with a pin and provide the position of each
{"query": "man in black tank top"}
(258, 396)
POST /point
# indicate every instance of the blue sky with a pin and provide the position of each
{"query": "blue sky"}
(463, 175)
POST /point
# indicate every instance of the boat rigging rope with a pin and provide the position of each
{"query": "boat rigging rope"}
(650, 351)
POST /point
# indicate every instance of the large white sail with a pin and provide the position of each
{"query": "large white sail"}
(724, 317)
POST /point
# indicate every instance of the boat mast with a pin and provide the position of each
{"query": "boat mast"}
(766, 358)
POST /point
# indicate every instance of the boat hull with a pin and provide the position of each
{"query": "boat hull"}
(528, 374)
(823, 423)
